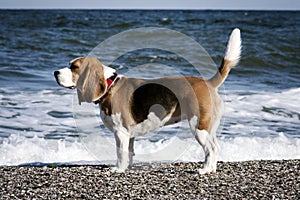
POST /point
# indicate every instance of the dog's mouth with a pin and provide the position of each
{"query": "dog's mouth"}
(64, 81)
(71, 87)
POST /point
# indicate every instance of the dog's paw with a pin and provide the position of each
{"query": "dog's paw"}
(117, 170)
(206, 171)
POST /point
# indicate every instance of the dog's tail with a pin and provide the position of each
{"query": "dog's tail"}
(230, 60)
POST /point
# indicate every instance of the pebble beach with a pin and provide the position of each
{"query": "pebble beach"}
(278, 179)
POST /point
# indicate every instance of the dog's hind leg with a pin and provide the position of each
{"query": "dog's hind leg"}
(209, 144)
(211, 150)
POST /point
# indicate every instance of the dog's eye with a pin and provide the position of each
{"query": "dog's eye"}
(102, 88)
(73, 67)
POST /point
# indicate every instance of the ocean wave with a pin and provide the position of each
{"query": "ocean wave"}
(262, 113)
(17, 150)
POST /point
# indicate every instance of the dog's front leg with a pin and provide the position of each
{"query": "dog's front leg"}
(123, 154)
(131, 152)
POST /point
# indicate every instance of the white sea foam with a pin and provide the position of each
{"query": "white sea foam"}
(263, 113)
(17, 150)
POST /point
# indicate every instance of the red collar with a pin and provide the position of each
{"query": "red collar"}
(109, 83)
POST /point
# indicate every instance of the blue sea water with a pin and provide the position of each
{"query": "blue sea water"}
(40, 121)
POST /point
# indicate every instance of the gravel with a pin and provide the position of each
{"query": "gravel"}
(233, 180)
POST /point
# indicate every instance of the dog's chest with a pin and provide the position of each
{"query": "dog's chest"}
(107, 120)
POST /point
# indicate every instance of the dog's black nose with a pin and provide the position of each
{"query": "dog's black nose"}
(56, 73)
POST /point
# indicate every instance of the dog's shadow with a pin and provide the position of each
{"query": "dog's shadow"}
(167, 168)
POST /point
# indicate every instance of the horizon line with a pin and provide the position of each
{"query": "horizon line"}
(160, 9)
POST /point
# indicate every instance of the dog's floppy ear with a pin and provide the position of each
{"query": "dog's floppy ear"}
(91, 83)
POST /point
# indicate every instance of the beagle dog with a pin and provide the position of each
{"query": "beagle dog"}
(132, 107)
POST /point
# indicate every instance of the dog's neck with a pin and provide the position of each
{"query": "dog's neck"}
(110, 76)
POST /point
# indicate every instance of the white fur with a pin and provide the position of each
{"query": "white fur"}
(234, 46)
(148, 125)
(208, 141)
(151, 123)
(122, 138)
(108, 71)
(64, 78)
(118, 125)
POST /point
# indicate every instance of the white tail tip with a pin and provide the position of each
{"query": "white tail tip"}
(234, 46)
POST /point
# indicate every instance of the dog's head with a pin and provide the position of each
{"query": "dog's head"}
(86, 74)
